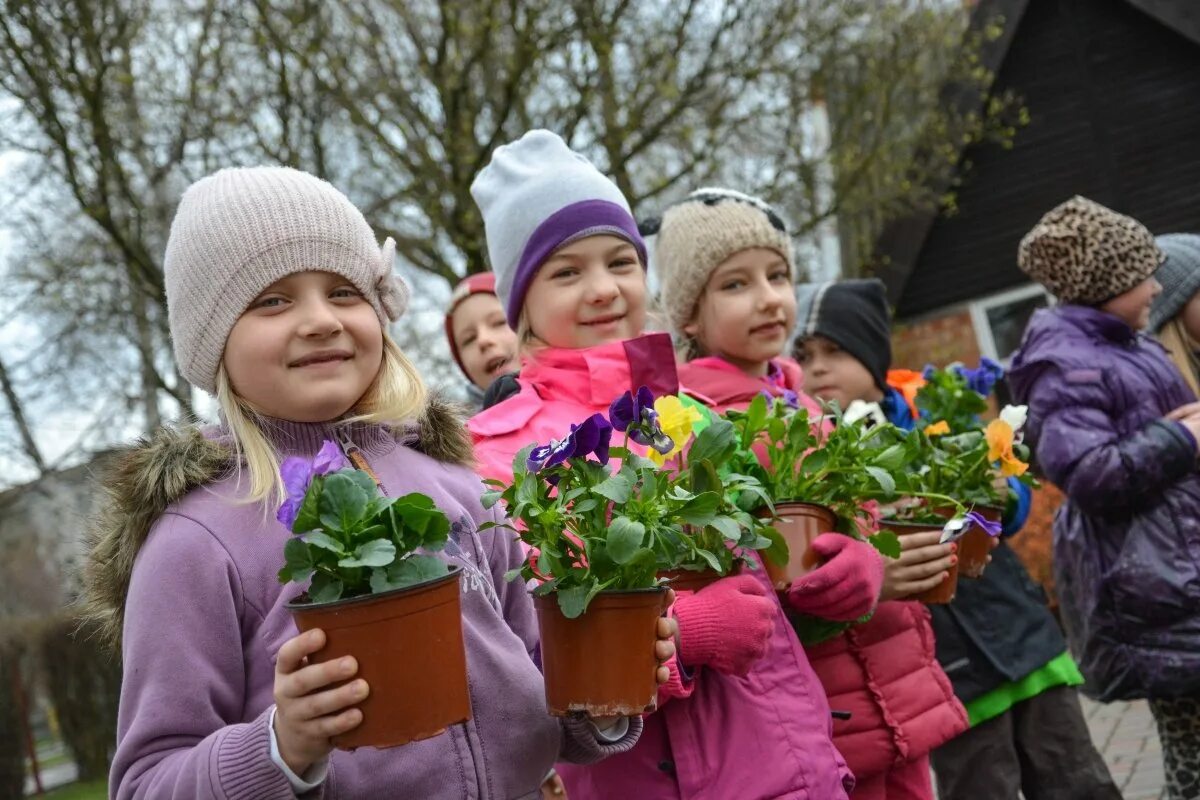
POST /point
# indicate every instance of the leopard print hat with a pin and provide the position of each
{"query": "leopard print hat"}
(1085, 253)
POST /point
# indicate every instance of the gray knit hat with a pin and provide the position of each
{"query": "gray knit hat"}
(238, 231)
(1179, 276)
(699, 233)
(1085, 253)
(537, 195)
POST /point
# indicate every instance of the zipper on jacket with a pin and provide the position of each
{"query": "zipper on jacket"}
(354, 454)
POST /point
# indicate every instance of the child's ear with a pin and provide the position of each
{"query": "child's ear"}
(692, 329)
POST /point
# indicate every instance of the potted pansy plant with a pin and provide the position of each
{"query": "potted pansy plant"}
(372, 583)
(967, 459)
(604, 523)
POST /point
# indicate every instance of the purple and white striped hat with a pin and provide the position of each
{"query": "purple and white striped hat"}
(537, 195)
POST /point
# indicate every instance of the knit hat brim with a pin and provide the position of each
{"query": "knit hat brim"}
(1179, 276)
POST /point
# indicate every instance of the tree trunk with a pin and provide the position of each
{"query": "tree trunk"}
(14, 405)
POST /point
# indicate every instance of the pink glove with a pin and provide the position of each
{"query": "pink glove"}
(846, 586)
(725, 625)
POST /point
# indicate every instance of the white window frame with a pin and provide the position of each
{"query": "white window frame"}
(979, 317)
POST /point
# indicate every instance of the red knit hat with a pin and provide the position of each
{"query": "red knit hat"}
(479, 283)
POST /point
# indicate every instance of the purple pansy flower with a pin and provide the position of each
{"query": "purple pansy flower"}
(792, 399)
(956, 528)
(634, 415)
(297, 474)
(593, 435)
(982, 379)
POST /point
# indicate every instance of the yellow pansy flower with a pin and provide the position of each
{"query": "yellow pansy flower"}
(677, 421)
(1000, 448)
(939, 428)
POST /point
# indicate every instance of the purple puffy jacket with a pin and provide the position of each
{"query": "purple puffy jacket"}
(1127, 540)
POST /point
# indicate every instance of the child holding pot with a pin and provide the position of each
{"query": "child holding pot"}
(743, 712)
(1114, 424)
(279, 297)
(997, 642)
(481, 343)
(727, 272)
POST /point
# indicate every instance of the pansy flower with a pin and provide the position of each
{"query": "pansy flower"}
(633, 414)
(298, 474)
(593, 435)
(678, 420)
(956, 528)
(982, 379)
(1000, 435)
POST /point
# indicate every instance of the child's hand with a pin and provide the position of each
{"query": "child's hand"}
(922, 565)
(1189, 417)
(305, 716)
(845, 586)
(726, 625)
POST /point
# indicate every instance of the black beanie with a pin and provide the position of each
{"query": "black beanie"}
(852, 314)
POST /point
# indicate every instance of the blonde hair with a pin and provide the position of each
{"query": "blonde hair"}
(1181, 348)
(397, 394)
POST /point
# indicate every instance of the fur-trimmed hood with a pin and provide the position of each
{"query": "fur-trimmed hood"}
(140, 484)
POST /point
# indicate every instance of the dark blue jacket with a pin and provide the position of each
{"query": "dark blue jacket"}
(998, 629)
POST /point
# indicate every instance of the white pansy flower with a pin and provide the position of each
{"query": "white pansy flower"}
(1015, 416)
(870, 414)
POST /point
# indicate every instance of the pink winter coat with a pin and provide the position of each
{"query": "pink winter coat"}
(763, 736)
(883, 672)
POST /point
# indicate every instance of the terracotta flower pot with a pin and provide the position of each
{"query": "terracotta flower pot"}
(409, 647)
(690, 580)
(602, 662)
(798, 523)
(942, 593)
(975, 544)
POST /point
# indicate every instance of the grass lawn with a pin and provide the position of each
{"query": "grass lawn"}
(93, 790)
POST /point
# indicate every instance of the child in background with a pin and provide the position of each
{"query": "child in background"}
(1115, 426)
(725, 262)
(743, 716)
(997, 641)
(482, 344)
(1175, 313)
(278, 297)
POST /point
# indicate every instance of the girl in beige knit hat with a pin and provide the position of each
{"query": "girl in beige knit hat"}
(279, 296)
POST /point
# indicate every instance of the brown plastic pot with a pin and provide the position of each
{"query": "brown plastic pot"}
(409, 647)
(690, 580)
(602, 662)
(974, 545)
(798, 523)
(942, 593)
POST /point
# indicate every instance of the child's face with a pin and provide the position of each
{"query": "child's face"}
(588, 293)
(307, 348)
(486, 345)
(1133, 306)
(1191, 317)
(747, 309)
(832, 374)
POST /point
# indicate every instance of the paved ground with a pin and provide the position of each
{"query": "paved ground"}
(1126, 735)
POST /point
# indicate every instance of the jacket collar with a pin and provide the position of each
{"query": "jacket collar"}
(595, 376)
(718, 382)
(1097, 323)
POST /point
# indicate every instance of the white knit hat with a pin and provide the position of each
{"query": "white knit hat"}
(537, 195)
(238, 231)
(702, 231)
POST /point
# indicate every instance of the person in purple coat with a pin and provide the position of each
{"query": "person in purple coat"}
(1113, 424)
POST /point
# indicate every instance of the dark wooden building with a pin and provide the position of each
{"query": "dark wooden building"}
(1113, 92)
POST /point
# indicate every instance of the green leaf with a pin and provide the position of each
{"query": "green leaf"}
(519, 461)
(715, 443)
(362, 480)
(701, 509)
(324, 589)
(308, 518)
(490, 499)
(618, 488)
(728, 528)
(710, 558)
(513, 574)
(585, 505)
(409, 572)
(343, 503)
(625, 537)
(298, 563)
(777, 553)
(887, 543)
(574, 600)
(324, 541)
(886, 482)
(376, 553)
(892, 458)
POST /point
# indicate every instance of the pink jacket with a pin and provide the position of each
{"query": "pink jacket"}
(883, 672)
(765, 735)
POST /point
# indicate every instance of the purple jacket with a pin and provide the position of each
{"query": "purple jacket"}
(1127, 540)
(205, 618)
